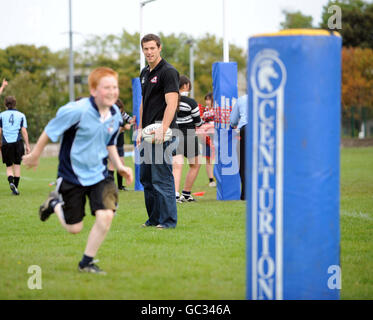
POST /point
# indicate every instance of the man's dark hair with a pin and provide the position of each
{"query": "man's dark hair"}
(10, 102)
(151, 37)
(183, 81)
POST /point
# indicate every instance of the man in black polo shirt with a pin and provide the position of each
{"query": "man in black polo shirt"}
(160, 95)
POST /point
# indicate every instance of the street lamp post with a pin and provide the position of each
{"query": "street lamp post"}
(225, 33)
(71, 58)
(191, 65)
(142, 5)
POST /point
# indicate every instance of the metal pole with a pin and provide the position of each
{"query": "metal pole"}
(71, 58)
(225, 34)
(352, 122)
(142, 57)
(191, 67)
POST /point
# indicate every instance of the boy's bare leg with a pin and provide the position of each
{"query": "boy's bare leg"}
(13, 173)
(98, 231)
(9, 171)
(17, 170)
(192, 174)
(71, 228)
(177, 169)
(209, 168)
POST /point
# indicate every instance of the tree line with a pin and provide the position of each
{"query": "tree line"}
(38, 77)
(357, 55)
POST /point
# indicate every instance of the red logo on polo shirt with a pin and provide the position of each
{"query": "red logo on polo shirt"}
(154, 80)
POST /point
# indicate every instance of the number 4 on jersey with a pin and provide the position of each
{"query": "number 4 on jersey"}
(11, 119)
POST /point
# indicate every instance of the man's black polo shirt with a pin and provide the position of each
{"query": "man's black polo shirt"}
(163, 79)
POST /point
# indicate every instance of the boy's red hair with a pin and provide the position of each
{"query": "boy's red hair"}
(97, 74)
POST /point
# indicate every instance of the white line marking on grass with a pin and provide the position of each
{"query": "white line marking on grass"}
(355, 214)
(31, 179)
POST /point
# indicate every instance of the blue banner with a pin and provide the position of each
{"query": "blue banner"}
(293, 148)
(136, 102)
(226, 168)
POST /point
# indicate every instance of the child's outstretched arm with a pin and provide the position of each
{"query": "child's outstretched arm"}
(124, 171)
(3, 85)
(31, 160)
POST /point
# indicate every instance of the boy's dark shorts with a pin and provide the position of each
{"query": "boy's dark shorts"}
(12, 153)
(120, 151)
(102, 195)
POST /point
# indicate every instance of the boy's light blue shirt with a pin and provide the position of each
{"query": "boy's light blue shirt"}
(84, 140)
(239, 112)
(11, 123)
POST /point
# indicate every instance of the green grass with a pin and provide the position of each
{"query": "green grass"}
(357, 223)
(203, 258)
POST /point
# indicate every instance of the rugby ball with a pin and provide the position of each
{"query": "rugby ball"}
(148, 133)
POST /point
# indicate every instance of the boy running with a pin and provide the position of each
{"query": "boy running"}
(13, 126)
(88, 129)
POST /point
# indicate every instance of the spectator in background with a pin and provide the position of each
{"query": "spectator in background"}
(128, 121)
(238, 120)
(13, 126)
(206, 134)
(188, 118)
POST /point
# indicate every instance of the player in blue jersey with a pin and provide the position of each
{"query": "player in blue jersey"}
(88, 129)
(13, 126)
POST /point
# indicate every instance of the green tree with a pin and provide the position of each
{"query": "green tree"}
(209, 49)
(122, 53)
(35, 80)
(39, 78)
(357, 22)
(33, 101)
(27, 58)
(296, 20)
(119, 52)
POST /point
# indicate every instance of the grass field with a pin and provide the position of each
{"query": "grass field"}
(203, 258)
(357, 223)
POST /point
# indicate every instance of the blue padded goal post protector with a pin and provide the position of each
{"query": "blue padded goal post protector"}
(293, 165)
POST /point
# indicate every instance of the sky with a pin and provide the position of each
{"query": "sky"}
(46, 22)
